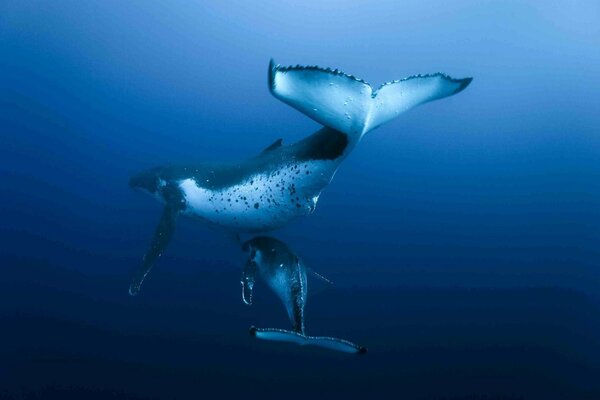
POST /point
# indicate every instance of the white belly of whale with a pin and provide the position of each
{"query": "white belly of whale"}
(262, 202)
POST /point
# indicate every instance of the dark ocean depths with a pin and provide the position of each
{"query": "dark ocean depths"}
(463, 238)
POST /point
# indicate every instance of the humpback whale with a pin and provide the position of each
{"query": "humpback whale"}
(285, 273)
(283, 182)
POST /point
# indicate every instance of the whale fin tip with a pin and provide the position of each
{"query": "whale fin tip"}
(162, 237)
(463, 84)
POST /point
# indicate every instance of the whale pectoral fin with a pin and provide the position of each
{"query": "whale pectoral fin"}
(331, 343)
(162, 237)
(297, 307)
(298, 292)
(248, 277)
(350, 105)
(282, 335)
(278, 335)
(319, 277)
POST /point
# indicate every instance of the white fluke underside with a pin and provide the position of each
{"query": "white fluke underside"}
(351, 105)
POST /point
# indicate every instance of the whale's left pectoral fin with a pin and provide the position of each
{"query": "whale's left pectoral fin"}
(162, 237)
(331, 343)
(248, 277)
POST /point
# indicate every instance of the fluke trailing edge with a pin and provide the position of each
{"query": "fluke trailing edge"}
(283, 182)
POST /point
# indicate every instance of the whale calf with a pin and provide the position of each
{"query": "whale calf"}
(285, 273)
(283, 182)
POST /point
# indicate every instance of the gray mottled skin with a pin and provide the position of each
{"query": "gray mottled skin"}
(258, 194)
(282, 270)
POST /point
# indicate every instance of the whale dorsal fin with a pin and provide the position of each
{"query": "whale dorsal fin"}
(275, 145)
(350, 105)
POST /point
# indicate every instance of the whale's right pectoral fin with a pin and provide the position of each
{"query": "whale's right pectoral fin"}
(248, 277)
(336, 344)
(162, 237)
(350, 105)
(331, 343)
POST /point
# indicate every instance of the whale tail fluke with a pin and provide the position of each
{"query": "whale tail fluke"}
(331, 343)
(350, 105)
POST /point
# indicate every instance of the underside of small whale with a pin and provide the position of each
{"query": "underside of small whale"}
(285, 273)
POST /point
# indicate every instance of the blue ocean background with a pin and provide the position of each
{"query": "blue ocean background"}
(463, 238)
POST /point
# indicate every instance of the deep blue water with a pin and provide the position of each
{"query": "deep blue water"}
(463, 238)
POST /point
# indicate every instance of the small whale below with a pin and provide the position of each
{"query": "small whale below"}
(285, 273)
(283, 182)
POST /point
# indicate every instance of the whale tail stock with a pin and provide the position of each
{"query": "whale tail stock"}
(350, 105)
(330, 343)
